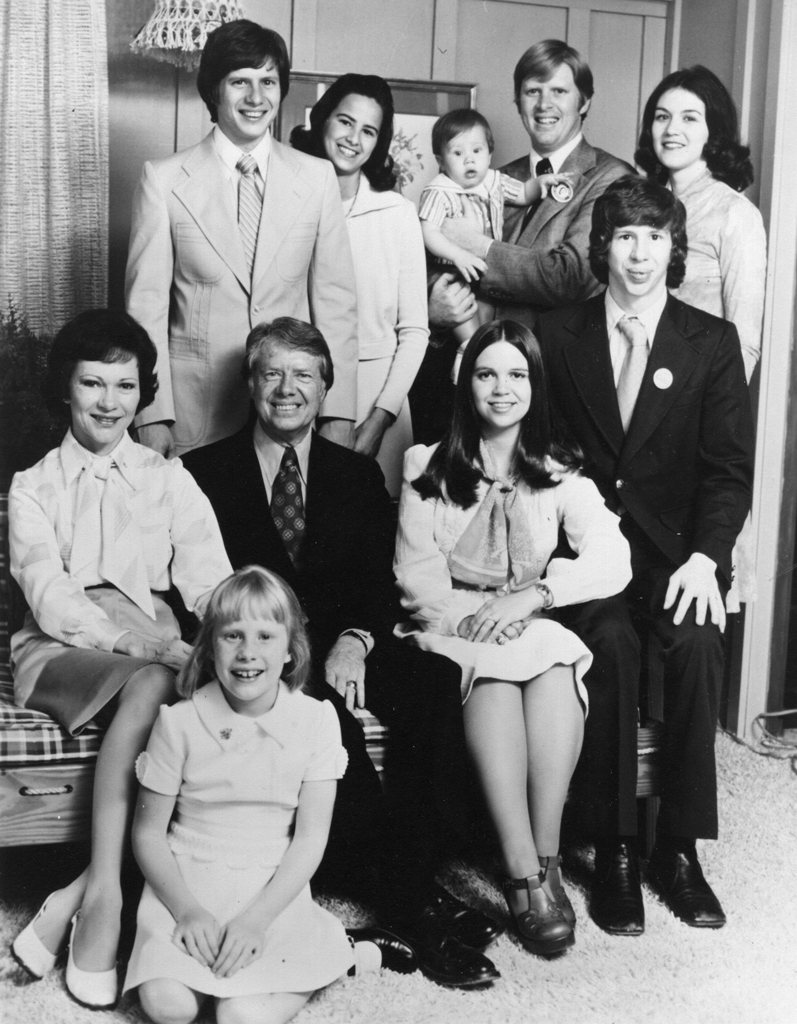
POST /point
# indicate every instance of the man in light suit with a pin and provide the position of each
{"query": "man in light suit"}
(231, 232)
(339, 562)
(654, 392)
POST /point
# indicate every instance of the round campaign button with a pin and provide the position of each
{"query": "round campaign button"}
(562, 192)
(662, 378)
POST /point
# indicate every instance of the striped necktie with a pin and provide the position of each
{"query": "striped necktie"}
(250, 203)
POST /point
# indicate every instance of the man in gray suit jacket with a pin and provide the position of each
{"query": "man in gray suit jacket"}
(542, 263)
(232, 232)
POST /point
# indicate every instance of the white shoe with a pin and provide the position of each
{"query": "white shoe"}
(30, 952)
(96, 990)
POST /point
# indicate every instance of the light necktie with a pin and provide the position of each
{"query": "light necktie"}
(109, 523)
(633, 368)
(250, 203)
(541, 167)
(287, 507)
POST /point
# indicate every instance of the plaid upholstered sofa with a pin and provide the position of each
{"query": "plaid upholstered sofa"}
(46, 775)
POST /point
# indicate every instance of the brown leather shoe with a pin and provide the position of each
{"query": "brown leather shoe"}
(541, 927)
(615, 903)
(675, 874)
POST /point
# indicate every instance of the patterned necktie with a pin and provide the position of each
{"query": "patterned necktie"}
(287, 507)
(250, 203)
(542, 167)
(633, 368)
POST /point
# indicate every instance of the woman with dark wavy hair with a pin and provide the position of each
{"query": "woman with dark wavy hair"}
(690, 140)
(352, 126)
(478, 522)
(100, 529)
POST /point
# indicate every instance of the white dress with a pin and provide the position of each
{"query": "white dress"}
(237, 782)
(427, 535)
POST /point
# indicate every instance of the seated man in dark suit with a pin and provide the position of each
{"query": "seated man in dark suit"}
(319, 515)
(654, 392)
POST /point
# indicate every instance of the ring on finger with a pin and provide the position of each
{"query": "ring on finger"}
(501, 638)
(350, 682)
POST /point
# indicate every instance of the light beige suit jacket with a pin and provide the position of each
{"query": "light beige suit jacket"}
(187, 282)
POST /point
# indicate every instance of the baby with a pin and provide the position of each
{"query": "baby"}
(463, 143)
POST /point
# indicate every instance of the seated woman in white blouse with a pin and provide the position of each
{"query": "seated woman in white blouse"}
(100, 528)
(478, 521)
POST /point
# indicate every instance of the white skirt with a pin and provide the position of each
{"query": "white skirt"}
(542, 644)
(305, 949)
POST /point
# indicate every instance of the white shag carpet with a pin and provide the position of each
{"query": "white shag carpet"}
(746, 973)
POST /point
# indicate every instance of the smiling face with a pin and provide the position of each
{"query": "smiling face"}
(680, 131)
(638, 259)
(351, 132)
(287, 389)
(551, 111)
(466, 157)
(248, 101)
(501, 389)
(249, 656)
(103, 398)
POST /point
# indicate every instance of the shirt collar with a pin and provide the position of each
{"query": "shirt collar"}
(125, 456)
(558, 156)
(270, 453)
(231, 730)
(230, 154)
(649, 318)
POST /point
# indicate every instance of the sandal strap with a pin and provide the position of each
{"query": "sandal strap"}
(532, 882)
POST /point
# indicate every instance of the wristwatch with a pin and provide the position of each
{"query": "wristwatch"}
(545, 593)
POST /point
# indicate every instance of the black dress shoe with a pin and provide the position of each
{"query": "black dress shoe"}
(675, 874)
(616, 895)
(441, 956)
(396, 954)
(469, 925)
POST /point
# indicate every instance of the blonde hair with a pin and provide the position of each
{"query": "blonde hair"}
(251, 592)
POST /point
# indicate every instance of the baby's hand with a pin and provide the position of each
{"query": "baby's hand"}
(198, 934)
(471, 267)
(547, 181)
(242, 945)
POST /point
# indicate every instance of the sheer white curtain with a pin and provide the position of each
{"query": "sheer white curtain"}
(53, 158)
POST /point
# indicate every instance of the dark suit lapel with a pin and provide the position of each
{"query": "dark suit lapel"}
(206, 195)
(320, 505)
(587, 359)
(672, 358)
(578, 163)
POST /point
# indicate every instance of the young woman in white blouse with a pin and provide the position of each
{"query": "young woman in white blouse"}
(352, 126)
(100, 528)
(478, 521)
(690, 140)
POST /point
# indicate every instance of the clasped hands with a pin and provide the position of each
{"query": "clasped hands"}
(171, 653)
(507, 616)
(225, 950)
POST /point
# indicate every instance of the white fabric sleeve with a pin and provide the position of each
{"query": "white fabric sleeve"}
(329, 758)
(160, 767)
(603, 563)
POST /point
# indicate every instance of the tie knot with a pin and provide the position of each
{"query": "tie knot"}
(289, 457)
(543, 167)
(247, 164)
(633, 331)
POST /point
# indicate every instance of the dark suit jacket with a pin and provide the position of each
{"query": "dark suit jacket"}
(546, 265)
(345, 577)
(684, 470)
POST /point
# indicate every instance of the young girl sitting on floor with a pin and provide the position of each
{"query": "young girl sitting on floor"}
(463, 144)
(251, 763)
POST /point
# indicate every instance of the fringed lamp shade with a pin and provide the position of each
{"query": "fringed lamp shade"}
(178, 29)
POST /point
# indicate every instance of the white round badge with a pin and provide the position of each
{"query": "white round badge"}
(662, 378)
(562, 192)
